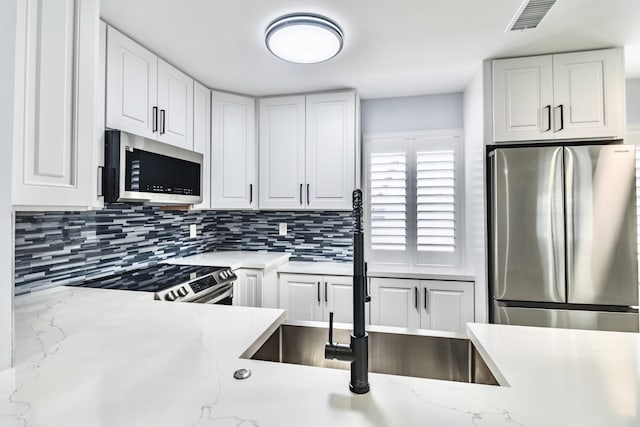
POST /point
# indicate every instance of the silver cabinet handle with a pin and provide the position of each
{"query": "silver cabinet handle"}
(425, 298)
(154, 119)
(250, 193)
(415, 290)
(300, 194)
(307, 194)
(325, 292)
(162, 120)
(318, 291)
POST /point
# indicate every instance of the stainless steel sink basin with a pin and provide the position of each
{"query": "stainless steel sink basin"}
(439, 356)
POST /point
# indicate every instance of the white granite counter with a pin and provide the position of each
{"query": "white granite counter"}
(374, 270)
(125, 361)
(320, 268)
(235, 259)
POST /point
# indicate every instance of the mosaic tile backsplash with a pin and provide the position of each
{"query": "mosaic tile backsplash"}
(65, 248)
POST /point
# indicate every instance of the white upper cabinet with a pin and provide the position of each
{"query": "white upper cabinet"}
(523, 98)
(202, 138)
(308, 151)
(132, 86)
(578, 95)
(234, 152)
(145, 95)
(57, 59)
(175, 105)
(282, 152)
(589, 94)
(330, 150)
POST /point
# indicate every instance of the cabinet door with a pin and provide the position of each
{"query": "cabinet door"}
(282, 153)
(56, 74)
(588, 93)
(301, 296)
(338, 298)
(447, 306)
(522, 98)
(330, 150)
(202, 138)
(175, 103)
(395, 302)
(234, 148)
(132, 86)
(247, 288)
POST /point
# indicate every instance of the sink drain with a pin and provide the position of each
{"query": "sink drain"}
(242, 374)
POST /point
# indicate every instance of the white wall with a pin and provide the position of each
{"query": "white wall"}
(474, 129)
(425, 112)
(7, 67)
(633, 101)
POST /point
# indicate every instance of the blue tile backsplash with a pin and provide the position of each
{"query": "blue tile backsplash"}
(66, 248)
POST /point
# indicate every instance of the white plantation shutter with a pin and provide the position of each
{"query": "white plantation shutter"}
(436, 201)
(388, 188)
(413, 198)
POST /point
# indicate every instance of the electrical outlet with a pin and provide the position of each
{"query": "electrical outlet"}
(282, 229)
(193, 231)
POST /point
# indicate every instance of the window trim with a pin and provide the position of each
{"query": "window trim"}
(405, 141)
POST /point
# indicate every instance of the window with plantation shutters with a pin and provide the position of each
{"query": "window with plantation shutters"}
(388, 183)
(413, 196)
(436, 204)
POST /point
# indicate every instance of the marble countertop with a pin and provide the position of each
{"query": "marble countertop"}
(235, 259)
(106, 358)
(267, 260)
(321, 268)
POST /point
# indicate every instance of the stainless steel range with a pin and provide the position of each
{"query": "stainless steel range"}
(168, 282)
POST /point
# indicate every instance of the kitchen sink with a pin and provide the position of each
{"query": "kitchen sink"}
(440, 356)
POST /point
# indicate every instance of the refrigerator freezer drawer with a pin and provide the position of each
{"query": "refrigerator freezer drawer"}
(571, 319)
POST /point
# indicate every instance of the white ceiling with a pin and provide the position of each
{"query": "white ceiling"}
(392, 47)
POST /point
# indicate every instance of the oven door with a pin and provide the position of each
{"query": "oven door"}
(222, 295)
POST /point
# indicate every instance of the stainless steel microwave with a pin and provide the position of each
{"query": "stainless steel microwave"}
(138, 169)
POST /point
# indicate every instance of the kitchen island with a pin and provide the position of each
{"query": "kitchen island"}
(92, 357)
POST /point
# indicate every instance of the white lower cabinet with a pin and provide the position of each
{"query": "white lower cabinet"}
(256, 288)
(426, 304)
(313, 297)
(247, 289)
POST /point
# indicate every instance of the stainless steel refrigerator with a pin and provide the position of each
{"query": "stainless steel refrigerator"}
(563, 249)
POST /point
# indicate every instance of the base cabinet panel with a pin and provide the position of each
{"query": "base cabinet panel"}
(313, 297)
(425, 304)
(247, 289)
(301, 296)
(395, 302)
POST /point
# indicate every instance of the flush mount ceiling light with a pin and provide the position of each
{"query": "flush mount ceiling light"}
(304, 38)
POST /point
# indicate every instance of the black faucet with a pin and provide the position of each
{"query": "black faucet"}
(358, 351)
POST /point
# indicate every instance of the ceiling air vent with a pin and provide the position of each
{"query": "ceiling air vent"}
(531, 14)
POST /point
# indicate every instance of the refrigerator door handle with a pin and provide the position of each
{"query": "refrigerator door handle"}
(569, 164)
(558, 212)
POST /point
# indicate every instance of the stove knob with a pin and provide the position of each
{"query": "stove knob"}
(223, 274)
(182, 292)
(170, 296)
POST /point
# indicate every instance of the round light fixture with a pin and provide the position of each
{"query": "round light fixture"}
(304, 38)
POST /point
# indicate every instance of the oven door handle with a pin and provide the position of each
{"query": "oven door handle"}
(220, 297)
